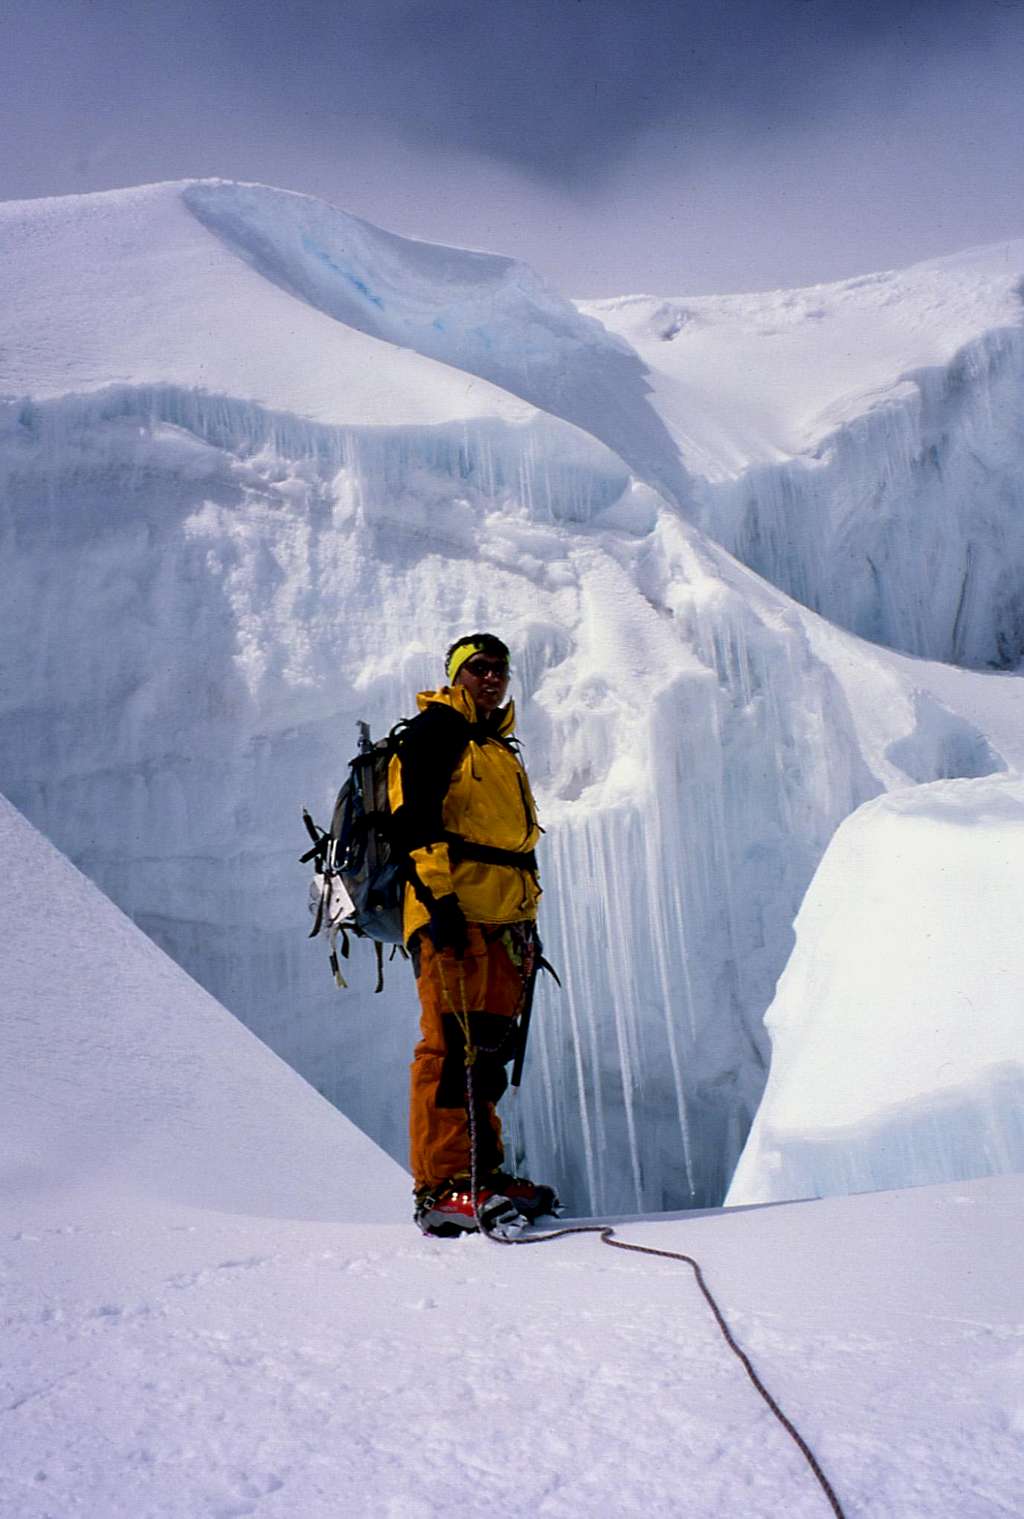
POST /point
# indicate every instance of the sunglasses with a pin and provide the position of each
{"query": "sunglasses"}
(480, 667)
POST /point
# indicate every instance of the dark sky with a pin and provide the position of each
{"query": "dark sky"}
(617, 145)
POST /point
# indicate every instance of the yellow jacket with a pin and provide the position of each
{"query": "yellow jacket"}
(455, 779)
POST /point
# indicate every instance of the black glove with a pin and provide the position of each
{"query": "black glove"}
(448, 927)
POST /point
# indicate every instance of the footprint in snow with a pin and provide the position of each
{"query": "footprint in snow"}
(250, 1488)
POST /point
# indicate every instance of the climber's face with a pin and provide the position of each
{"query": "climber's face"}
(486, 680)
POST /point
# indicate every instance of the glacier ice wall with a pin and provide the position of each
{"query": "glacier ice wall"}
(672, 907)
(906, 525)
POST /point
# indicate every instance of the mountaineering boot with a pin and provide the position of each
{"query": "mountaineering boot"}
(447, 1211)
(531, 1198)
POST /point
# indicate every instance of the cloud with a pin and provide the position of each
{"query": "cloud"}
(558, 89)
(565, 88)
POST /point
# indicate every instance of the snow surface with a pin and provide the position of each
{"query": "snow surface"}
(250, 490)
(202, 1321)
(897, 1051)
(168, 1363)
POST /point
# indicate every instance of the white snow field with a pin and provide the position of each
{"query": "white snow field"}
(896, 1028)
(206, 1313)
(260, 463)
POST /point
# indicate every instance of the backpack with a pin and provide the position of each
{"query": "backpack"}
(358, 881)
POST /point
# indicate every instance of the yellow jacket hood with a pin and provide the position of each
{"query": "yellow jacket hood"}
(459, 699)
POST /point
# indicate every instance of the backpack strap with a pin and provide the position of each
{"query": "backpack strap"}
(318, 921)
(486, 854)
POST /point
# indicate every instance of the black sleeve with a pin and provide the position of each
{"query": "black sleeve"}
(428, 751)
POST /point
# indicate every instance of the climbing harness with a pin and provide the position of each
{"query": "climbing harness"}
(607, 1237)
(537, 962)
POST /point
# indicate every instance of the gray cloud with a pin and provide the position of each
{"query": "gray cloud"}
(564, 88)
(558, 88)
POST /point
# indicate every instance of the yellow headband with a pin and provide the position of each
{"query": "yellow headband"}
(459, 656)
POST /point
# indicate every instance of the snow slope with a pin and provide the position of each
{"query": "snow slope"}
(206, 1312)
(897, 1042)
(248, 496)
(859, 444)
(119, 1076)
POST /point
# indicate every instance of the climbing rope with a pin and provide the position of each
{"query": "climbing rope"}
(607, 1236)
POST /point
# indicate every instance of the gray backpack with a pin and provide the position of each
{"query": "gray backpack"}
(358, 881)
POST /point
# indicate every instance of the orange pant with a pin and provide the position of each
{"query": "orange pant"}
(484, 992)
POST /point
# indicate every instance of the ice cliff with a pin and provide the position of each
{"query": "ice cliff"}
(260, 463)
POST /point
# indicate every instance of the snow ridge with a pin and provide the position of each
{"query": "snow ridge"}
(491, 316)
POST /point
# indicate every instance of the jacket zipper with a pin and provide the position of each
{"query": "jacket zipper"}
(531, 821)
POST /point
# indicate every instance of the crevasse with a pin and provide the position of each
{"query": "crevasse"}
(202, 599)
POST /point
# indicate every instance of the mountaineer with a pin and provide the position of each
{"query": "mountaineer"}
(465, 824)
